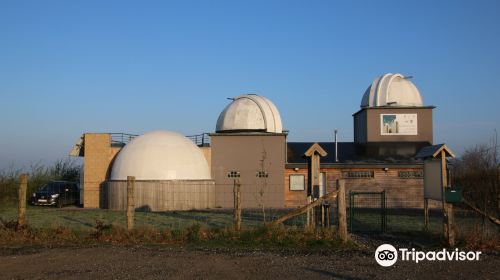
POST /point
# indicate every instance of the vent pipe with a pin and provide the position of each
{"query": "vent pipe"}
(336, 148)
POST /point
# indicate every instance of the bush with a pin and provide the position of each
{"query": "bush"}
(63, 169)
(478, 173)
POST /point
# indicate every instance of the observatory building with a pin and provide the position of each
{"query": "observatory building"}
(391, 126)
(171, 173)
(249, 147)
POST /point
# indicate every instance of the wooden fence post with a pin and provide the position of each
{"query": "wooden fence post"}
(237, 205)
(323, 215)
(308, 217)
(21, 218)
(342, 212)
(449, 233)
(426, 214)
(130, 202)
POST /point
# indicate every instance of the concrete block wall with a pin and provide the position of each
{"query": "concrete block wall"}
(249, 153)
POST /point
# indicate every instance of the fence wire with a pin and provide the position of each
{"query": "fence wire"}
(364, 215)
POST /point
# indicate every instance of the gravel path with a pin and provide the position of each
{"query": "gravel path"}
(178, 263)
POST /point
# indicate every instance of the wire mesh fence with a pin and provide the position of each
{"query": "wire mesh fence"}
(473, 226)
(367, 213)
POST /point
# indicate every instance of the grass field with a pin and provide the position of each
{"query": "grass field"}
(82, 219)
(48, 226)
(405, 221)
(399, 222)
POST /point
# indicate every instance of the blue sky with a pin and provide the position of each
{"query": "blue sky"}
(68, 67)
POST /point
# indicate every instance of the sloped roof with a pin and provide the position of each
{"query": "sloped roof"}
(350, 152)
(434, 151)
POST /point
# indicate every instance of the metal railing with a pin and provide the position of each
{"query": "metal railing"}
(121, 139)
(201, 140)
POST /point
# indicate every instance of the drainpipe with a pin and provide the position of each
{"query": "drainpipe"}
(336, 147)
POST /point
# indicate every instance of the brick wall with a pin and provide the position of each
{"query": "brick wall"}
(96, 166)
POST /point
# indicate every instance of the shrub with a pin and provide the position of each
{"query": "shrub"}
(63, 169)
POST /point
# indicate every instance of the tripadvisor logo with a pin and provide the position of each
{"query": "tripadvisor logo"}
(387, 255)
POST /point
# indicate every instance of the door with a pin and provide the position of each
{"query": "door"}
(322, 184)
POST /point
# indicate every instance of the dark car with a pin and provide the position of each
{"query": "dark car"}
(57, 193)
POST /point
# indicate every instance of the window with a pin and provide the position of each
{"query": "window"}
(411, 174)
(297, 182)
(233, 174)
(357, 174)
(262, 174)
(322, 184)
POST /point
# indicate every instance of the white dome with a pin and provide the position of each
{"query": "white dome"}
(391, 90)
(160, 155)
(250, 112)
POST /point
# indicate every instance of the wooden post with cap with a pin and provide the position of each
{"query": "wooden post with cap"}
(439, 152)
(314, 153)
(449, 233)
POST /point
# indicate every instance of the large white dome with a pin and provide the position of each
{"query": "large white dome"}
(250, 112)
(391, 90)
(160, 155)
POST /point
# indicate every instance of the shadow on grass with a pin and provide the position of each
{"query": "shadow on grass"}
(77, 221)
(333, 275)
(186, 218)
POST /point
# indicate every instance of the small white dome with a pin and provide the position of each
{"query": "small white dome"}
(160, 155)
(391, 90)
(250, 112)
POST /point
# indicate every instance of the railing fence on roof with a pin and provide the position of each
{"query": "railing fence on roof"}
(201, 140)
(121, 139)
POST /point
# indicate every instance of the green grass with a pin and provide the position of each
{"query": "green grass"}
(82, 219)
(79, 219)
(213, 228)
(412, 221)
(209, 229)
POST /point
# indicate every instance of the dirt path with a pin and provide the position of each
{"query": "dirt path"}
(176, 263)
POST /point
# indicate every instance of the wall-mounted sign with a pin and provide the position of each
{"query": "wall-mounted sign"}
(398, 124)
(297, 182)
(433, 182)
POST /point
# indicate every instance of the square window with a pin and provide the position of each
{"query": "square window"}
(297, 182)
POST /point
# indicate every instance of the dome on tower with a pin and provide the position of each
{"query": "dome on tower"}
(160, 155)
(392, 90)
(251, 113)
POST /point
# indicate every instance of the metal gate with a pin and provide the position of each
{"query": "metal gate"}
(367, 212)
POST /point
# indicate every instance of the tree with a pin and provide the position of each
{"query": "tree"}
(262, 175)
(477, 171)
